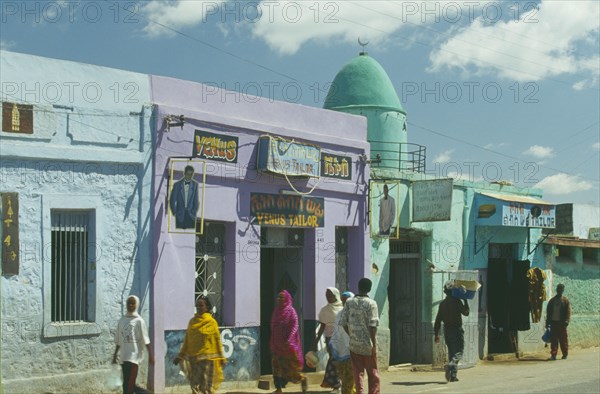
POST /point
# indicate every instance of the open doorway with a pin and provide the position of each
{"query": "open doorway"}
(281, 256)
(501, 339)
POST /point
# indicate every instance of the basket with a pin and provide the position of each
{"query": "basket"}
(465, 289)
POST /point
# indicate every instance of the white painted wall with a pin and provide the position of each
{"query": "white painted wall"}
(92, 152)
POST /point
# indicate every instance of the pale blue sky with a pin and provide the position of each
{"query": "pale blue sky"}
(495, 90)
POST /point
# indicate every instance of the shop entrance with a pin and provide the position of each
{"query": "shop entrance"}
(501, 338)
(403, 294)
(281, 256)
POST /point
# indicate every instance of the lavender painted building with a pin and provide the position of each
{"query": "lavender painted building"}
(278, 200)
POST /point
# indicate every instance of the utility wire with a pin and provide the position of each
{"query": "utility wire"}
(466, 42)
(493, 151)
(494, 65)
(214, 47)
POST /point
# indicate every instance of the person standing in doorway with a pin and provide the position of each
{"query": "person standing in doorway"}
(360, 319)
(450, 313)
(130, 339)
(184, 200)
(558, 316)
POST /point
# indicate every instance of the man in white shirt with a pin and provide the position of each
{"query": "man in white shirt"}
(387, 212)
(130, 338)
(360, 320)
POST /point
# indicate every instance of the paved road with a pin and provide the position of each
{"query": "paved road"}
(533, 374)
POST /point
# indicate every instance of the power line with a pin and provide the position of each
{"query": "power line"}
(72, 119)
(214, 47)
(454, 53)
(492, 151)
(466, 42)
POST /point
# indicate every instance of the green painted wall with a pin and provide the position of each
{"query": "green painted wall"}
(582, 288)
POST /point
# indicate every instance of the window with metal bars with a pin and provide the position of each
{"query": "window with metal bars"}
(71, 293)
(210, 249)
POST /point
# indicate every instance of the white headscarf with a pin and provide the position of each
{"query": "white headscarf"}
(340, 341)
(330, 311)
(137, 305)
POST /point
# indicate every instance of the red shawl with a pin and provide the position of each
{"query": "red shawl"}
(285, 336)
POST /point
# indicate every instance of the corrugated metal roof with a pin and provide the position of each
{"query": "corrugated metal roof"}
(510, 197)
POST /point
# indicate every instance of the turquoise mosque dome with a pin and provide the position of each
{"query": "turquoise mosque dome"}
(362, 87)
(362, 82)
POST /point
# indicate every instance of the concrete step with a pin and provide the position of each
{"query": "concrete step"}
(314, 378)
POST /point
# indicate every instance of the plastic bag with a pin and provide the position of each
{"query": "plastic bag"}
(546, 336)
(114, 381)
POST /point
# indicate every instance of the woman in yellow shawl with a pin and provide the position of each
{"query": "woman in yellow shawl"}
(203, 349)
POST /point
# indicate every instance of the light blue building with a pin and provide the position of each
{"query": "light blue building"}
(426, 229)
(76, 178)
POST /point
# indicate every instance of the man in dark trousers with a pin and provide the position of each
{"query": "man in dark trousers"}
(449, 312)
(184, 200)
(558, 315)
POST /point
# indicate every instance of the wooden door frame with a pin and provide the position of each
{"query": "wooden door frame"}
(398, 258)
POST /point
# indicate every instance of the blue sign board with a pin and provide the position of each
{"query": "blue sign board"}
(289, 158)
(513, 211)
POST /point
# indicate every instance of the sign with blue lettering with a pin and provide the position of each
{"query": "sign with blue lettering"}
(289, 158)
(513, 211)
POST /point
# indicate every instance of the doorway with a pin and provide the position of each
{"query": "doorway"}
(501, 339)
(403, 310)
(281, 257)
(404, 299)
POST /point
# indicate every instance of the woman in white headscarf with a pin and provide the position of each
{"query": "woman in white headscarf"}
(327, 317)
(339, 350)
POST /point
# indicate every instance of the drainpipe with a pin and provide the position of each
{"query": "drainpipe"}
(465, 222)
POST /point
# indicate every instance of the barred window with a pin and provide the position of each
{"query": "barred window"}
(72, 292)
(210, 251)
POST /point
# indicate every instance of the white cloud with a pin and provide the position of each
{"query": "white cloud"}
(539, 152)
(6, 45)
(286, 25)
(290, 24)
(546, 41)
(596, 146)
(563, 184)
(444, 157)
(178, 14)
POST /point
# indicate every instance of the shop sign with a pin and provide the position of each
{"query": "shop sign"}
(517, 214)
(281, 210)
(432, 200)
(10, 233)
(17, 118)
(289, 158)
(215, 146)
(514, 212)
(334, 166)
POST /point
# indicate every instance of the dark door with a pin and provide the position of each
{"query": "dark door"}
(403, 296)
(280, 269)
(501, 339)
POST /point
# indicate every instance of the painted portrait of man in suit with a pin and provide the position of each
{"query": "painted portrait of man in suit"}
(184, 200)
